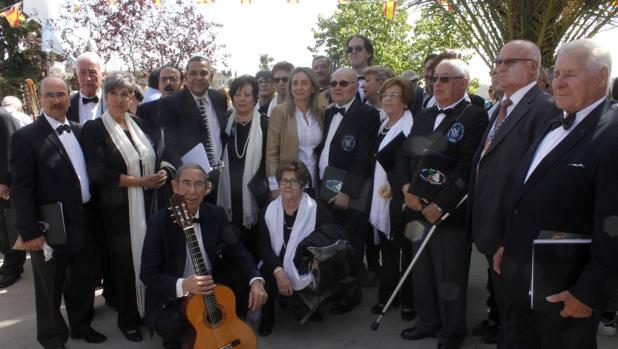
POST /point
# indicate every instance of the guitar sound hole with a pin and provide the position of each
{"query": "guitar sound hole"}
(213, 317)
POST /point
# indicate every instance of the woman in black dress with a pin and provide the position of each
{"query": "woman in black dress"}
(242, 186)
(121, 167)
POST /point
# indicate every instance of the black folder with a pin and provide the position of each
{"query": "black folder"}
(332, 182)
(51, 218)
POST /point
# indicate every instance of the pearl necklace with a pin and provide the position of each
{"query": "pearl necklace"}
(244, 150)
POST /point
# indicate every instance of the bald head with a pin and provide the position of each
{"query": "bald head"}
(346, 87)
(518, 65)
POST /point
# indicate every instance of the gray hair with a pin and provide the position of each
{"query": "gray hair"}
(190, 166)
(12, 101)
(458, 65)
(597, 57)
(119, 79)
(89, 56)
(381, 73)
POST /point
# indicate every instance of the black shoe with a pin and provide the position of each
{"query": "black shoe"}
(89, 335)
(7, 280)
(407, 314)
(412, 334)
(133, 335)
(484, 327)
(265, 328)
(342, 307)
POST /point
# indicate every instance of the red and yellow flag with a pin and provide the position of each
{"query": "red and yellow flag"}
(389, 8)
(13, 15)
(205, 2)
(157, 3)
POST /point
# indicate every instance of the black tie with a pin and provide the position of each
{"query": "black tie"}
(86, 100)
(197, 220)
(564, 121)
(63, 128)
(340, 111)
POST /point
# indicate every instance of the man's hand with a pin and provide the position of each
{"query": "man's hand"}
(4, 192)
(257, 295)
(413, 202)
(572, 306)
(283, 283)
(341, 200)
(199, 284)
(35, 244)
(432, 213)
(498, 260)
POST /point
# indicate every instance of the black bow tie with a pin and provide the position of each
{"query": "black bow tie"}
(340, 111)
(197, 220)
(564, 121)
(445, 111)
(63, 128)
(86, 100)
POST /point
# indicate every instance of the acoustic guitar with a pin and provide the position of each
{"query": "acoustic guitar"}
(212, 316)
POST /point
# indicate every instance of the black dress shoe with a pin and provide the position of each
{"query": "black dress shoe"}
(342, 307)
(89, 335)
(412, 334)
(265, 328)
(484, 327)
(7, 280)
(407, 314)
(133, 335)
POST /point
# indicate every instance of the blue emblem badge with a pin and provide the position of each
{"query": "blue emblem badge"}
(333, 185)
(455, 133)
(433, 176)
(348, 143)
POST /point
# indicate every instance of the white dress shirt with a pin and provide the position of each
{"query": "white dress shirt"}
(89, 111)
(555, 136)
(334, 125)
(215, 128)
(76, 155)
(515, 98)
(440, 117)
(150, 94)
(309, 137)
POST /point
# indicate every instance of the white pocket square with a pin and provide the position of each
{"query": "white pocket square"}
(577, 165)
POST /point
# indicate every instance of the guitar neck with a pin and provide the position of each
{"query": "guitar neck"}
(199, 263)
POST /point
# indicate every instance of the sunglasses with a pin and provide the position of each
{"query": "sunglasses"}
(342, 83)
(444, 79)
(510, 61)
(355, 49)
(283, 79)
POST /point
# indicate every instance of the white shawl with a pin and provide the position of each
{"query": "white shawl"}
(253, 157)
(303, 226)
(379, 215)
(137, 211)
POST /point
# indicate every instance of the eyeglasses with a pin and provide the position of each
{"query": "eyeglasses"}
(285, 182)
(510, 61)
(165, 79)
(186, 185)
(355, 48)
(52, 95)
(342, 83)
(444, 79)
(283, 79)
(390, 95)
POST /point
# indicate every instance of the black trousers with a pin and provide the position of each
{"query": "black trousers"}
(395, 259)
(496, 301)
(68, 276)
(355, 224)
(440, 282)
(13, 259)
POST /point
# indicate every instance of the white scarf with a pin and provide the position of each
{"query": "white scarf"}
(137, 212)
(379, 215)
(253, 157)
(303, 226)
(271, 106)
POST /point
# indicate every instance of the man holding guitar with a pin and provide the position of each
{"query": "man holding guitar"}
(173, 269)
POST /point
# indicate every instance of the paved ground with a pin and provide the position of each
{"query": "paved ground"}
(18, 328)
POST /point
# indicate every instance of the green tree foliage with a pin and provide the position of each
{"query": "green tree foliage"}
(491, 23)
(20, 49)
(265, 61)
(396, 44)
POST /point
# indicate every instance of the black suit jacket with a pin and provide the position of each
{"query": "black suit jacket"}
(449, 150)
(73, 112)
(7, 128)
(149, 114)
(42, 173)
(350, 148)
(183, 125)
(492, 176)
(573, 189)
(164, 256)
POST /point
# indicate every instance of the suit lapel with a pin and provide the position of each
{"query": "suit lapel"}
(52, 136)
(585, 126)
(209, 233)
(343, 125)
(220, 114)
(177, 240)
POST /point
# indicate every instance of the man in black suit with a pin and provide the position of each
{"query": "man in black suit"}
(14, 260)
(350, 129)
(566, 182)
(167, 270)
(47, 165)
(192, 116)
(432, 172)
(170, 82)
(88, 103)
(524, 112)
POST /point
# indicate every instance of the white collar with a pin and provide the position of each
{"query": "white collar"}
(55, 123)
(81, 95)
(347, 105)
(519, 94)
(205, 96)
(580, 115)
(452, 105)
